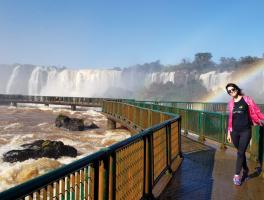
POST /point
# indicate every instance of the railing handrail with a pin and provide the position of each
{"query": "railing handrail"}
(121, 99)
(206, 106)
(187, 109)
(159, 101)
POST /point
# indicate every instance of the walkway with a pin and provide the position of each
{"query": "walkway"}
(206, 173)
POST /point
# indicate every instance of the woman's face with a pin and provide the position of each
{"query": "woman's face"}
(232, 91)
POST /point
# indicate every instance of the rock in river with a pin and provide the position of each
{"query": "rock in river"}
(73, 124)
(39, 149)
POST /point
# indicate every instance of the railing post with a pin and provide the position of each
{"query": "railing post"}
(179, 136)
(73, 107)
(257, 148)
(201, 126)
(254, 147)
(148, 168)
(140, 118)
(134, 115)
(185, 122)
(223, 134)
(96, 180)
(112, 177)
(168, 145)
(103, 179)
(103, 106)
(149, 118)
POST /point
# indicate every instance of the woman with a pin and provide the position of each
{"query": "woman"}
(243, 112)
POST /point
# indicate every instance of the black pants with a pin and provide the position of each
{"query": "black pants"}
(241, 140)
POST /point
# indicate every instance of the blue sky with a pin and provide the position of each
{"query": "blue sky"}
(121, 33)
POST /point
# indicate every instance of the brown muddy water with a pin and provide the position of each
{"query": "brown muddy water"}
(27, 123)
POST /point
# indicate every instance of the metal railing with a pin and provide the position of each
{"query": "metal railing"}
(257, 145)
(205, 124)
(85, 101)
(202, 106)
(211, 125)
(129, 169)
(59, 100)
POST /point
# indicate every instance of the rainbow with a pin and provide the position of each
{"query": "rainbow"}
(241, 77)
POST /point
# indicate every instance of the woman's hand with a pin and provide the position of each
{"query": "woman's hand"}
(229, 140)
(261, 122)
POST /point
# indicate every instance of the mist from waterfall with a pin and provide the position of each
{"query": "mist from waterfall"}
(250, 80)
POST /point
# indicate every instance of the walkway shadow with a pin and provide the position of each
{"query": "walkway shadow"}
(193, 179)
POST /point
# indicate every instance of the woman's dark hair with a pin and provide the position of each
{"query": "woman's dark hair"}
(239, 90)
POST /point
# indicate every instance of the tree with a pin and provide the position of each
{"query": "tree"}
(248, 60)
(203, 62)
(228, 63)
(202, 58)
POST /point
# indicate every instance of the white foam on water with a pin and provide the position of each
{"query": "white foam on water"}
(54, 108)
(16, 140)
(43, 124)
(45, 108)
(66, 160)
(94, 136)
(27, 136)
(29, 105)
(93, 113)
(13, 125)
(113, 136)
(12, 174)
(15, 143)
(70, 142)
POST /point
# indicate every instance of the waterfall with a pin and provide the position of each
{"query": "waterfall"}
(62, 82)
(12, 79)
(215, 80)
(88, 83)
(160, 78)
(53, 81)
(37, 80)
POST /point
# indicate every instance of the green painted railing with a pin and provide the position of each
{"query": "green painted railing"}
(212, 125)
(205, 124)
(129, 169)
(202, 106)
(257, 145)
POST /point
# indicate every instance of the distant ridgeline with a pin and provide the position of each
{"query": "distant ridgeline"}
(197, 80)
